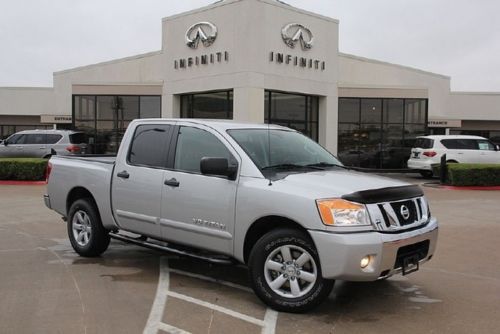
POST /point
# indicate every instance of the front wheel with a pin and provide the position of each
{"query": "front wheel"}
(285, 272)
(85, 231)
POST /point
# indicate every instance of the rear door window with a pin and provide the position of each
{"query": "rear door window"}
(149, 146)
(424, 143)
(52, 138)
(35, 139)
(460, 144)
(78, 138)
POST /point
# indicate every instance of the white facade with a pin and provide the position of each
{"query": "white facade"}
(247, 60)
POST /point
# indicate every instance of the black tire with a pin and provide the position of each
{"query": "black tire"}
(83, 212)
(426, 174)
(314, 292)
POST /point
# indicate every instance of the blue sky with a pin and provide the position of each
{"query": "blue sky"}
(460, 38)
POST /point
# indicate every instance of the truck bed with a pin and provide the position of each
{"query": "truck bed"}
(101, 158)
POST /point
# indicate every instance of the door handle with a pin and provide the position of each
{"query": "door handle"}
(42, 148)
(123, 175)
(172, 183)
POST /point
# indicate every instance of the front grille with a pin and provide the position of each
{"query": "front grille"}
(420, 248)
(406, 212)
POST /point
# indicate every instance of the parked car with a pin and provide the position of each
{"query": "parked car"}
(265, 196)
(428, 150)
(43, 144)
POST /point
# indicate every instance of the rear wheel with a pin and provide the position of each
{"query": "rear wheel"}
(286, 273)
(85, 231)
(427, 174)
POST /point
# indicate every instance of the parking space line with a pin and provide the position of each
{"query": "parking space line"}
(218, 308)
(171, 329)
(160, 301)
(154, 322)
(211, 279)
(270, 321)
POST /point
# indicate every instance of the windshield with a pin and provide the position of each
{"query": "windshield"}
(289, 150)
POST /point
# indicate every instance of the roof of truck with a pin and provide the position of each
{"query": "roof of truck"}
(440, 137)
(222, 125)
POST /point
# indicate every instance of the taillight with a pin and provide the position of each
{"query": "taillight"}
(73, 149)
(430, 154)
(47, 172)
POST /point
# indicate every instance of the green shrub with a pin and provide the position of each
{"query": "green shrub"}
(474, 175)
(20, 169)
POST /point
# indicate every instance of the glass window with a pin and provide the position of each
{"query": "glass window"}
(485, 145)
(35, 139)
(383, 134)
(150, 107)
(149, 145)
(371, 111)
(349, 110)
(424, 143)
(393, 110)
(16, 139)
(212, 105)
(460, 144)
(52, 138)
(78, 138)
(415, 111)
(194, 144)
(269, 148)
(84, 108)
(299, 112)
(104, 119)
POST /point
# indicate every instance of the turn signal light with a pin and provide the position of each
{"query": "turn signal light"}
(430, 154)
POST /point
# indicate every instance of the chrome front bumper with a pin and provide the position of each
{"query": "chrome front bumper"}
(340, 254)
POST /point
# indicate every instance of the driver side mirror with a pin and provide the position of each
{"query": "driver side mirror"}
(497, 147)
(218, 167)
(4, 142)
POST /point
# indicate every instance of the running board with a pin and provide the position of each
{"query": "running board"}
(216, 259)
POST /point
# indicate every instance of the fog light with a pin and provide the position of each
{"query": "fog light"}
(365, 261)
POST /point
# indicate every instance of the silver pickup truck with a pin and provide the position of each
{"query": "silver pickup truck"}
(265, 196)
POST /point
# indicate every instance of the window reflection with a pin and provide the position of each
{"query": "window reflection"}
(379, 133)
(105, 118)
(211, 105)
(299, 112)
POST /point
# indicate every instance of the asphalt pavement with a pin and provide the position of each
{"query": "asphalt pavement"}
(46, 288)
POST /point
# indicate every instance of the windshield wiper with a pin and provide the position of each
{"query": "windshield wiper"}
(291, 166)
(325, 165)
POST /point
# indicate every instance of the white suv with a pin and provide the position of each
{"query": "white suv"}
(428, 150)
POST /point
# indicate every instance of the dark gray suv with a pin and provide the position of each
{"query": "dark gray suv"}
(43, 144)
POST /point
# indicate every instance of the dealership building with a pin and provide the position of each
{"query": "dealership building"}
(275, 64)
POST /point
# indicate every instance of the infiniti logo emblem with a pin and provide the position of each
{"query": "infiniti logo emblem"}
(405, 212)
(205, 32)
(294, 33)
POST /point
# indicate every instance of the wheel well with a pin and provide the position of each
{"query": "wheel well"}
(451, 162)
(264, 225)
(76, 194)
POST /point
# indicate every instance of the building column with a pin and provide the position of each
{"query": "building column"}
(170, 106)
(248, 104)
(328, 122)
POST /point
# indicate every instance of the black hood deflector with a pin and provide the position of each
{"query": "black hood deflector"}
(384, 195)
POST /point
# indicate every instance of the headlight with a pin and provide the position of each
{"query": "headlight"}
(339, 212)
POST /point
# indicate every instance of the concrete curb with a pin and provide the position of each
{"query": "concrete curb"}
(22, 183)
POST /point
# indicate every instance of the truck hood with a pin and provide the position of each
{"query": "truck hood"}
(335, 183)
